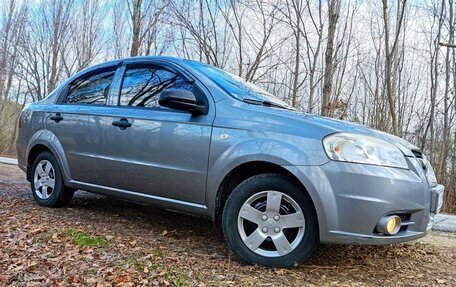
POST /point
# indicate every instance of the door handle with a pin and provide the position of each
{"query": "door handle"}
(56, 118)
(122, 123)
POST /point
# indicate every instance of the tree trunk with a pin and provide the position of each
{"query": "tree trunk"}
(136, 23)
(333, 16)
(4, 50)
(55, 47)
(390, 53)
(294, 94)
(446, 100)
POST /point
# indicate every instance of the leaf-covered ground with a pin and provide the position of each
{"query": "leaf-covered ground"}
(101, 241)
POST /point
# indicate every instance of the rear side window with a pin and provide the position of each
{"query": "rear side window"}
(142, 86)
(93, 89)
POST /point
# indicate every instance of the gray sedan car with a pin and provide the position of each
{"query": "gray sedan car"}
(189, 137)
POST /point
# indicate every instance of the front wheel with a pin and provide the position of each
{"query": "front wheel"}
(269, 220)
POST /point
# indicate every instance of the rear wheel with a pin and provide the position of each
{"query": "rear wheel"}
(269, 220)
(47, 183)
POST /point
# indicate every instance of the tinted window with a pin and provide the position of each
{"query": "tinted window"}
(142, 86)
(91, 90)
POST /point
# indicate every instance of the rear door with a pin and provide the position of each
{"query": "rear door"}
(78, 131)
(160, 151)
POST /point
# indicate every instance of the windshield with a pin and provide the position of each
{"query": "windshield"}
(236, 86)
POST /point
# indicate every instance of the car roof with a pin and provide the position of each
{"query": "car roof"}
(119, 61)
(178, 61)
(137, 58)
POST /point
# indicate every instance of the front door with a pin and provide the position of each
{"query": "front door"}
(153, 149)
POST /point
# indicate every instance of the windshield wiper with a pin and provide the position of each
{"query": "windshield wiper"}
(263, 103)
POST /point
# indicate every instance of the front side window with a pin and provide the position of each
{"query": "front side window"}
(142, 86)
(93, 89)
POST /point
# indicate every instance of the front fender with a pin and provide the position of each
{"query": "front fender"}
(229, 153)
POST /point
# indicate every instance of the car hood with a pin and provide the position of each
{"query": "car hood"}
(329, 126)
(344, 126)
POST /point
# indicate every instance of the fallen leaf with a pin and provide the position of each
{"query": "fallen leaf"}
(36, 231)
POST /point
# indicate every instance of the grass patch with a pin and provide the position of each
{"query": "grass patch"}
(82, 239)
(156, 252)
(177, 279)
(140, 264)
(137, 264)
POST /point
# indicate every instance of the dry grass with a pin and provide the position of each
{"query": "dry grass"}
(9, 112)
(146, 246)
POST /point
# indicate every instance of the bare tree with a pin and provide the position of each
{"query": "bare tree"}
(449, 64)
(267, 21)
(333, 17)
(135, 9)
(390, 53)
(313, 52)
(11, 31)
(386, 64)
(234, 18)
(56, 22)
(144, 16)
(84, 43)
(201, 19)
(306, 47)
(434, 49)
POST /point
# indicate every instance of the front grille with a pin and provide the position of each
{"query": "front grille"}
(405, 217)
(405, 221)
(417, 153)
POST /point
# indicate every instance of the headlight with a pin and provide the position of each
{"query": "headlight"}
(363, 149)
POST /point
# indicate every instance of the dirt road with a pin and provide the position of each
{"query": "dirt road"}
(101, 241)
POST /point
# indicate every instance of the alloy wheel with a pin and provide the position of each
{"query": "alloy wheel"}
(44, 179)
(271, 223)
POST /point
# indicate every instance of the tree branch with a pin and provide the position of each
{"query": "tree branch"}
(448, 45)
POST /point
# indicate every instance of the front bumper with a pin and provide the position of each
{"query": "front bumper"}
(437, 198)
(351, 198)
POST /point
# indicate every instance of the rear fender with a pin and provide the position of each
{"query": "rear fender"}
(50, 141)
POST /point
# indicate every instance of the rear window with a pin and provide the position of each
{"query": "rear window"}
(93, 89)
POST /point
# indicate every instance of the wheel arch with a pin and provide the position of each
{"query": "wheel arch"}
(243, 171)
(46, 141)
(33, 153)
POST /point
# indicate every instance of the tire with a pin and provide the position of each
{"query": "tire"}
(47, 183)
(255, 240)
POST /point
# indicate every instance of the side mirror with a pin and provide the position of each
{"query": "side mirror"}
(181, 100)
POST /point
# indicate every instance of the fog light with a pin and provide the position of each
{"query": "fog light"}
(389, 225)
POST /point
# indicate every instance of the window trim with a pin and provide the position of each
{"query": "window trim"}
(120, 67)
(152, 66)
(168, 66)
(65, 91)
